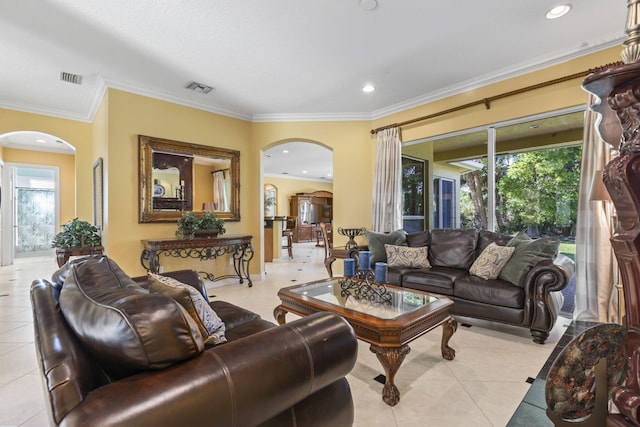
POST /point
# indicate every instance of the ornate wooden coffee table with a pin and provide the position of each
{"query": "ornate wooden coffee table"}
(388, 327)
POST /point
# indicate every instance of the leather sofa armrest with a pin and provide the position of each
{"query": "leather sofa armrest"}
(244, 382)
(546, 277)
(188, 277)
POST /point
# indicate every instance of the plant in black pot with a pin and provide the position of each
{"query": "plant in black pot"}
(76, 234)
(210, 225)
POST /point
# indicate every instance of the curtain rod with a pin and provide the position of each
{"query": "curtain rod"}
(485, 101)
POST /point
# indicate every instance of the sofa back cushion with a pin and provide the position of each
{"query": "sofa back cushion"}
(485, 238)
(416, 240)
(122, 325)
(453, 248)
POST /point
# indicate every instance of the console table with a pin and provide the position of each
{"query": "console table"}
(239, 247)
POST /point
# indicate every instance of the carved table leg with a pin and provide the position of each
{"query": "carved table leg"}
(391, 358)
(448, 329)
(279, 314)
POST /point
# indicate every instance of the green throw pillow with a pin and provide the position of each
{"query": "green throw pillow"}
(528, 253)
(376, 242)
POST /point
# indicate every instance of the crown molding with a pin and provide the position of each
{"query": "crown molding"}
(486, 80)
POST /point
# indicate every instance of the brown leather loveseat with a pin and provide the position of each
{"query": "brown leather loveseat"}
(112, 353)
(528, 296)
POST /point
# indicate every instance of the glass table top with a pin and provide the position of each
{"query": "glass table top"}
(401, 301)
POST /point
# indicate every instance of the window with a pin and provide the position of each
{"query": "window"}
(413, 194)
(444, 199)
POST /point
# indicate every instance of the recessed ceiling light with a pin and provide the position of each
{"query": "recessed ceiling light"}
(368, 4)
(285, 151)
(304, 171)
(558, 11)
(42, 141)
(368, 88)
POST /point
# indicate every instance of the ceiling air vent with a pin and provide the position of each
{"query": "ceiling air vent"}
(70, 78)
(199, 87)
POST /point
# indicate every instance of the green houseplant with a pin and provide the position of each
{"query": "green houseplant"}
(76, 234)
(190, 225)
(187, 225)
(210, 224)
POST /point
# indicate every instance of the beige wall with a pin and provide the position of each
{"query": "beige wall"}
(123, 116)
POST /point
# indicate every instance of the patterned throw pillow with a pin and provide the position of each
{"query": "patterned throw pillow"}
(404, 256)
(210, 324)
(491, 261)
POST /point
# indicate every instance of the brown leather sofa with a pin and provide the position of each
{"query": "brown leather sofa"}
(264, 375)
(532, 304)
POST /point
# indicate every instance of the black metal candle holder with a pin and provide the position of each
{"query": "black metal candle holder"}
(363, 287)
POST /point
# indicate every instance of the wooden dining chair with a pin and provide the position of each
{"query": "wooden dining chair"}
(331, 253)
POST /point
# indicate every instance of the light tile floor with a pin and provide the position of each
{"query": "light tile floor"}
(482, 386)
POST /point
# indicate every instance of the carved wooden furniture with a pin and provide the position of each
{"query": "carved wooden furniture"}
(388, 328)
(310, 210)
(331, 253)
(239, 247)
(618, 88)
(180, 200)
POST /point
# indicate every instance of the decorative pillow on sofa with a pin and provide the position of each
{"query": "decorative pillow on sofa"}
(211, 326)
(122, 325)
(404, 256)
(491, 261)
(376, 242)
(528, 253)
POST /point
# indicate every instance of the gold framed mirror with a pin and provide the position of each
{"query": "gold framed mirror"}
(177, 177)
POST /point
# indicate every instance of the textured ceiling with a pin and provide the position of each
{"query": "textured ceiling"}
(282, 60)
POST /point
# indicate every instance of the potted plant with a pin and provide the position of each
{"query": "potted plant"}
(76, 234)
(210, 225)
(187, 225)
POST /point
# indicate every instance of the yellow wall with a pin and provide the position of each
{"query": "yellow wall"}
(66, 166)
(551, 98)
(289, 187)
(131, 115)
(78, 134)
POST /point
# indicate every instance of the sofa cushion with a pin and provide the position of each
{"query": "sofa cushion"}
(404, 256)
(493, 292)
(491, 261)
(210, 325)
(376, 242)
(486, 237)
(528, 253)
(452, 248)
(437, 279)
(418, 239)
(122, 325)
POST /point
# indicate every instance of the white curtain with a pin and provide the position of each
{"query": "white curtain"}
(220, 199)
(387, 183)
(596, 296)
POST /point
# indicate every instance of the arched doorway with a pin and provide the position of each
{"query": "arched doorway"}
(30, 193)
(296, 166)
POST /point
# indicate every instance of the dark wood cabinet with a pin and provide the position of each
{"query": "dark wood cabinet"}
(310, 209)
